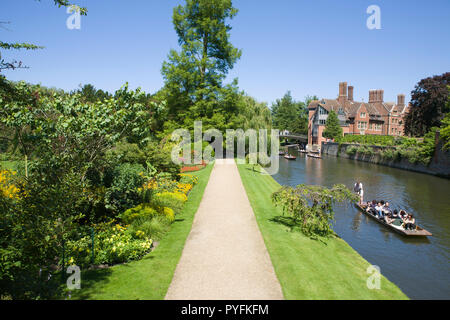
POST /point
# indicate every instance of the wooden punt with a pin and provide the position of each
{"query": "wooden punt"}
(418, 232)
(290, 157)
(316, 156)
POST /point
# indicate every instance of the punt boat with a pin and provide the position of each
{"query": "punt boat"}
(311, 155)
(418, 232)
(290, 157)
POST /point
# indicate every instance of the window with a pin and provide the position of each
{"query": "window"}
(322, 122)
(362, 125)
(323, 111)
(378, 126)
(371, 126)
(363, 114)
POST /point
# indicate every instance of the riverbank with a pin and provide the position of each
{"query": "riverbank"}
(306, 268)
(439, 165)
(149, 278)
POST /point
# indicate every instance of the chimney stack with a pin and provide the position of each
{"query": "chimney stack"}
(372, 96)
(380, 95)
(401, 99)
(376, 95)
(350, 93)
(342, 92)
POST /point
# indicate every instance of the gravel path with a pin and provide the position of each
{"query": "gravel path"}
(224, 257)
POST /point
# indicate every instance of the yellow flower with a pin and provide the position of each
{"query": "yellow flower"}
(7, 188)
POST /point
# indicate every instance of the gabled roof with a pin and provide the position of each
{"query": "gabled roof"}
(350, 108)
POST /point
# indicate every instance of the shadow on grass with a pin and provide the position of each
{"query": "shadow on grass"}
(89, 280)
(253, 170)
(293, 226)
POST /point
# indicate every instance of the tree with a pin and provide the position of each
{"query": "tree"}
(288, 114)
(194, 77)
(333, 129)
(428, 104)
(90, 94)
(311, 207)
(14, 64)
(445, 128)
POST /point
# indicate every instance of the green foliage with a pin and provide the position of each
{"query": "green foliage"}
(112, 245)
(332, 129)
(158, 155)
(194, 76)
(123, 193)
(351, 150)
(291, 115)
(390, 154)
(311, 207)
(445, 126)
(154, 227)
(142, 211)
(90, 94)
(413, 149)
(172, 200)
(369, 139)
(32, 228)
(429, 104)
(362, 149)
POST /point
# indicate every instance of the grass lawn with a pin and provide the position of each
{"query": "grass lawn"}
(306, 268)
(11, 165)
(150, 277)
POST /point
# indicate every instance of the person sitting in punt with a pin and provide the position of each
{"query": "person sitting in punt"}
(379, 210)
(388, 218)
(370, 207)
(386, 208)
(395, 214)
(396, 219)
(402, 214)
(410, 222)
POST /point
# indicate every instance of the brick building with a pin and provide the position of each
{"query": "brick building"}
(372, 117)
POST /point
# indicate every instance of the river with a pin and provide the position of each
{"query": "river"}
(419, 266)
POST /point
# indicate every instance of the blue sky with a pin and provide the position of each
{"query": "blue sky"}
(304, 46)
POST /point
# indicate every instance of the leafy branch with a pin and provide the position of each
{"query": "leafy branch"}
(311, 207)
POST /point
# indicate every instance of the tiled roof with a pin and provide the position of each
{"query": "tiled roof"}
(350, 108)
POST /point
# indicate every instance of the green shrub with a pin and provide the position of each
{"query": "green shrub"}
(142, 211)
(364, 150)
(351, 150)
(123, 193)
(388, 154)
(172, 200)
(112, 245)
(125, 152)
(159, 156)
(155, 227)
(378, 140)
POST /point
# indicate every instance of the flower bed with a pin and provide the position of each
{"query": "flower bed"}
(195, 167)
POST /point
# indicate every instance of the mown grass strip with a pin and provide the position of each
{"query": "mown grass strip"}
(307, 268)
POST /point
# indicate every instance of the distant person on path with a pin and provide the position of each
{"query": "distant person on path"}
(358, 188)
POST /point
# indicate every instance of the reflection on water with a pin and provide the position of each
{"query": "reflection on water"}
(419, 266)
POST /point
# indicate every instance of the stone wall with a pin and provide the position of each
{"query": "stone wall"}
(439, 165)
